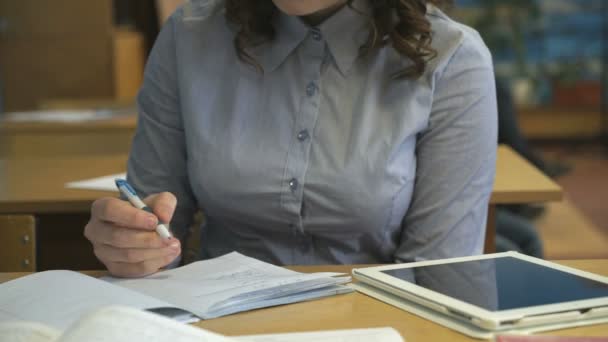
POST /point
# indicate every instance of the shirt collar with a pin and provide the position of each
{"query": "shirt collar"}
(344, 33)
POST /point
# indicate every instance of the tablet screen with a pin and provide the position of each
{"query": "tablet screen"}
(502, 283)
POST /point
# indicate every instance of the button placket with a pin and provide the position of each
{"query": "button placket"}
(315, 33)
(303, 135)
(311, 89)
(298, 156)
(293, 184)
(302, 240)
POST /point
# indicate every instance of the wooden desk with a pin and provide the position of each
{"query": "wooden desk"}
(33, 186)
(517, 181)
(36, 187)
(356, 311)
(58, 139)
(35, 206)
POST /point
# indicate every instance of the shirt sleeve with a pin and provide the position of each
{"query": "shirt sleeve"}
(158, 158)
(456, 161)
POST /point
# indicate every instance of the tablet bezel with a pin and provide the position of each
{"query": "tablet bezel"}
(481, 317)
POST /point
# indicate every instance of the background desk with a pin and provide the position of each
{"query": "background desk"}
(356, 311)
(517, 181)
(58, 139)
(43, 220)
(32, 192)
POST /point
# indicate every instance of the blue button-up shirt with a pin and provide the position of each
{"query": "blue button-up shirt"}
(323, 158)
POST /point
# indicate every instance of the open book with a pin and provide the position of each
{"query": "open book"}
(125, 324)
(204, 289)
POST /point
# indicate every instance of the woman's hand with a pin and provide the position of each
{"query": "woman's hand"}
(124, 238)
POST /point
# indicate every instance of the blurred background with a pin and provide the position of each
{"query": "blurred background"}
(67, 66)
(552, 52)
(552, 56)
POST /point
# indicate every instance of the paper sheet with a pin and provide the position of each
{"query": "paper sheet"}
(209, 288)
(64, 115)
(231, 283)
(5, 316)
(105, 183)
(354, 335)
(123, 324)
(58, 298)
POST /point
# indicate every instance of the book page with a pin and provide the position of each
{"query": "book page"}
(21, 331)
(547, 338)
(58, 298)
(125, 324)
(105, 183)
(354, 335)
(213, 287)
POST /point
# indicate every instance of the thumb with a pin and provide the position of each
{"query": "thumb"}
(163, 205)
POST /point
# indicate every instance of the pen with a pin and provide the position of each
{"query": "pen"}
(127, 190)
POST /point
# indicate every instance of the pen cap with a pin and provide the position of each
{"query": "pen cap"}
(121, 183)
(126, 189)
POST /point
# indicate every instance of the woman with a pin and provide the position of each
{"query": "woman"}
(309, 132)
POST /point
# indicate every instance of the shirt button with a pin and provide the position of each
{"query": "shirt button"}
(316, 34)
(303, 135)
(293, 184)
(311, 88)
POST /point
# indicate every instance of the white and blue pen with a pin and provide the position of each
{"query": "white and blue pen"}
(127, 190)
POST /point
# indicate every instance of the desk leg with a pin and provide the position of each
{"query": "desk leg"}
(18, 237)
(490, 244)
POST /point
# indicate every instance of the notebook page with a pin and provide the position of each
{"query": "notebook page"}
(197, 287)
(355, 335)
(124, 324)
(298, 297)
(58, 298)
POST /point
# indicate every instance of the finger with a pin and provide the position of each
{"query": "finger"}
(163, 205)
(123, 214)
(109, 253)
(127, 270)
(106, 233)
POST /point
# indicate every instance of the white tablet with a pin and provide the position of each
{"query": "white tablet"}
(491, 293)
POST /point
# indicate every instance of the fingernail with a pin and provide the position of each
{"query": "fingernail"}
(174, 245)
(164, 211)
(151, 220)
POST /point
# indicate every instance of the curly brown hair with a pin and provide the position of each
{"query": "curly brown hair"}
(402, 23)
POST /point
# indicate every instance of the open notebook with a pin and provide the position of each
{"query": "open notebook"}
(125, 324)
(204, 289)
